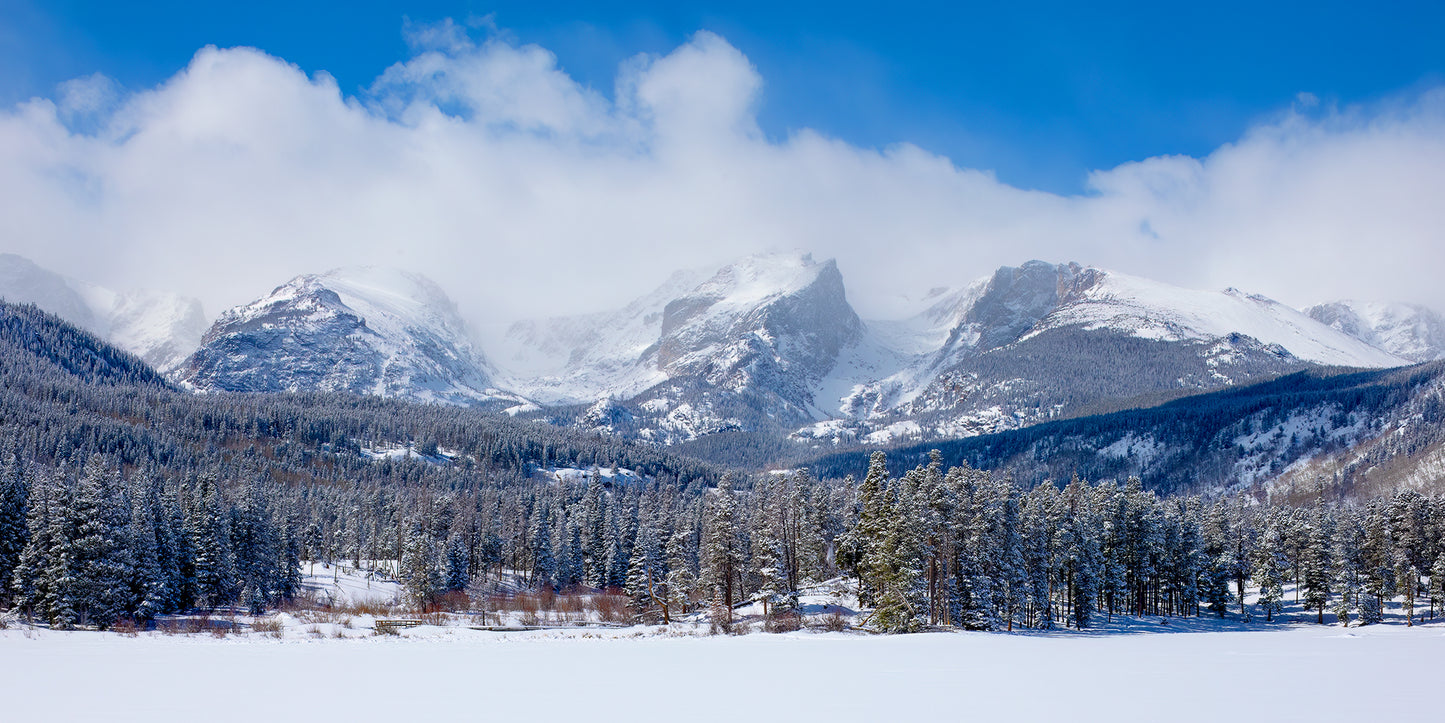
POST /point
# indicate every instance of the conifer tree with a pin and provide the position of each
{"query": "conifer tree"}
(722, 551)
(209, 552)
(101, 560)
(1437, 584)
(14, 493)
(1317, 561)
(874, 524)
(43, 580)
(681, 581)
(148, 585)
(1271, 584)
(420, 576)
(544, 563)
(457, 574)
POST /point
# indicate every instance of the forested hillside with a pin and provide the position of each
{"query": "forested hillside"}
(1235, 440)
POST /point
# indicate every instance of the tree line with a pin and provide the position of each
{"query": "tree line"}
(956, 547)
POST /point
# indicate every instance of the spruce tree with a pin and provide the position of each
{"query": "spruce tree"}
(722, 551)
(101, 561)
(208, 536)
(14, 493)
(681, 581)
(148, 586)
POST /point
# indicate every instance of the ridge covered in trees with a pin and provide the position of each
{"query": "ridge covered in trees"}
(1196, 444)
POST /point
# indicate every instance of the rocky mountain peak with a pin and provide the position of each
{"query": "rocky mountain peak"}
(362, 330)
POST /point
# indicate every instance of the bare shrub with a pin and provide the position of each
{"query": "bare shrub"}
(437, 618)
(784, 622)
(315, 631)
(572, 604)
(273, 627)
(720, 619)
(454, 601)
(530, 619)
(527, 603)
(124, 626)
(834, 622)
(366, 607)
(612, 607)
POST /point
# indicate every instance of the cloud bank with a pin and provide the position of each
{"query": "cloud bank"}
(485, 166)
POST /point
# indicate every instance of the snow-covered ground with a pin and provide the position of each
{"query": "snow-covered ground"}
(346, 585)
(1301, 673)
(332, 665)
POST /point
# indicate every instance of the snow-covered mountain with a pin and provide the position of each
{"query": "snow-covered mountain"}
(362, 330)
(771, 340)
(1042, 341)
(161, 328)
(767, 344)
(1409, 331)
(743, 348)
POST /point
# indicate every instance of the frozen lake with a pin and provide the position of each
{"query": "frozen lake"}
(1320, 673)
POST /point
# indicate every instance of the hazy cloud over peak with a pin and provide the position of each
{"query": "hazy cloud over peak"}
(486, 166)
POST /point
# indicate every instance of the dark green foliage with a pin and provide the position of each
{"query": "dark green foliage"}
(1197, 434)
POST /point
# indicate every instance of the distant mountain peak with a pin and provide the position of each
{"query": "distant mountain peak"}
(1409, 331)
(159, 327)
(366, 330)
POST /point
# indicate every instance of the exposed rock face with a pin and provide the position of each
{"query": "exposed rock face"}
(365, 331)
(742, 349)
(1043, 341)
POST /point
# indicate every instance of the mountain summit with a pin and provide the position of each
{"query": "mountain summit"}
(363, 330)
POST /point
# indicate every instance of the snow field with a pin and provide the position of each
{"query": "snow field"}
(1316, 673)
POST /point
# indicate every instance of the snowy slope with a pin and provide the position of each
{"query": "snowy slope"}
(1409, 331)
(571, 360)
(363, 330)
(702, 353)
(1153, 310)
(1019, 346)
(161, 328)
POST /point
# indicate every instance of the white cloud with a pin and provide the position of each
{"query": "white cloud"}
(523, 192)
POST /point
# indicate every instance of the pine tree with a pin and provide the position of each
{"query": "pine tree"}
(458, 563)
(874, 523)
(722, 551)
(14, 494)
(1317, 561)
(544, 564)
(594, 535)
(148, 585)
(770, 556)
(420, 576)
(101, 560)
(681, 582)
(1437, 584)
(43, 580)
(210, 552)
(1271, 584)
(645, 572)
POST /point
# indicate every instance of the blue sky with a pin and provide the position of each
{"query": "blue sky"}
(1038, 92)
(1293, 150)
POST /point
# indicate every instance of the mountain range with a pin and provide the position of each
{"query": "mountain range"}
(768, 345)
(161, 328)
